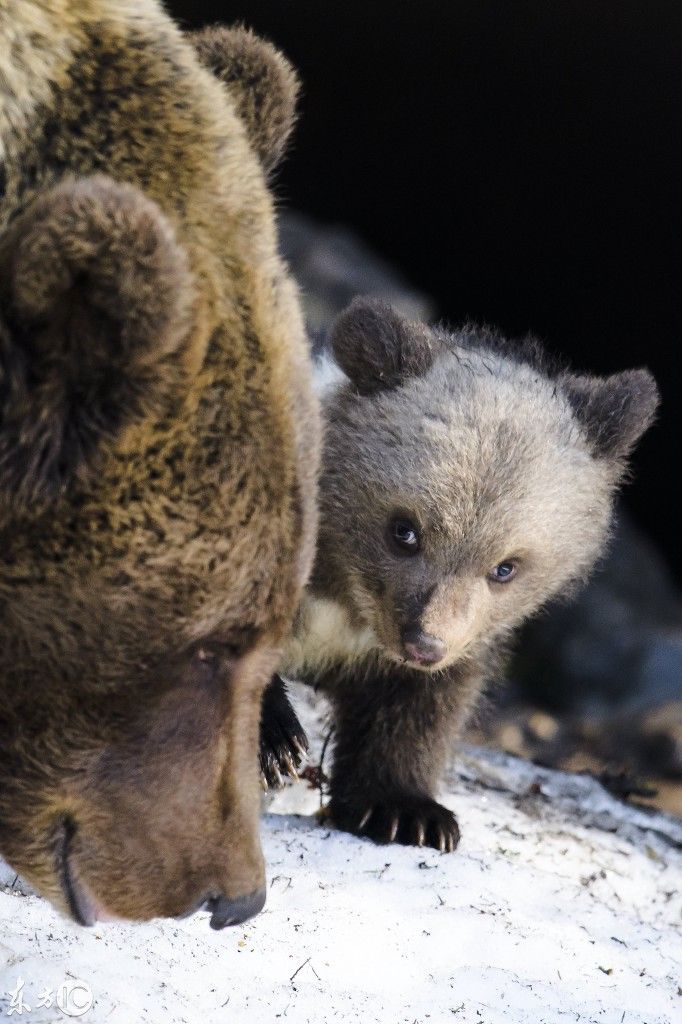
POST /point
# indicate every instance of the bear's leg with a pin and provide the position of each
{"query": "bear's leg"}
(283, 742)
(393, 737)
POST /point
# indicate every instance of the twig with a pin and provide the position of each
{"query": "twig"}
(299, 969)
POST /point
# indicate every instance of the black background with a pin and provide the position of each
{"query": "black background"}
(519, 161)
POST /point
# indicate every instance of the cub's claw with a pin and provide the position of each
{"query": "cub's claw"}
(412, 821)
(283, 743)
(365, 818)
(301, 748)
(291, 767)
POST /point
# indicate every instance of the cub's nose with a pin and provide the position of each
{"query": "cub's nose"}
(421, 647)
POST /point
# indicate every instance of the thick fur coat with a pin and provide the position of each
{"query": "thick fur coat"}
(465, 482)
(158, 440)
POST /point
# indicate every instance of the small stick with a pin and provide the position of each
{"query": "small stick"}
(299, 969)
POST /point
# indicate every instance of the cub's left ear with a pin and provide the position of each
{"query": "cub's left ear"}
(378, 349)
(614, 411)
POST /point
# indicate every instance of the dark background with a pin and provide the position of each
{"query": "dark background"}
(518, 161)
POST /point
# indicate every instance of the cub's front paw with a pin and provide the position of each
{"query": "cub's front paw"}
(283, 742)
(412, 821)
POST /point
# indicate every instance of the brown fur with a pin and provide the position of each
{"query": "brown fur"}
(158, 444)
(262, 84)
(493, 456)
(88, 259)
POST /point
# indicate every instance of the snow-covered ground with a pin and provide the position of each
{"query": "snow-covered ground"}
(560, 905)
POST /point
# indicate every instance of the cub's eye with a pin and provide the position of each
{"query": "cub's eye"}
(503, 572)
(404, 535)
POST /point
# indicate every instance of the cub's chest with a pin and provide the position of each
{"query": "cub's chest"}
(324, 637)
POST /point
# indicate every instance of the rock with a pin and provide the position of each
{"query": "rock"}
(618, 644)
(332, 265)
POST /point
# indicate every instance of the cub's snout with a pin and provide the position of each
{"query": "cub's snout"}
(422, 648)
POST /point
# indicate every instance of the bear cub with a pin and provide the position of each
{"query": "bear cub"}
(465, 482)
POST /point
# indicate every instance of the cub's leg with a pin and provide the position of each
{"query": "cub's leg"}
(283, 742)
(393, 737)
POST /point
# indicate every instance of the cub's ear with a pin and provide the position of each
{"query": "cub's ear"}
(377, 348)
(95, 299)
(614, 411)
(261, 82)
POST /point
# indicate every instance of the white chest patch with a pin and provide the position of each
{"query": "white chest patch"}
(324, 637)
(328, 377)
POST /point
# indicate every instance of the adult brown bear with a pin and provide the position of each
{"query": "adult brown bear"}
(158, 449)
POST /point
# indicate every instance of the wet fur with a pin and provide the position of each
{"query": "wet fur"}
(495, 454)
(158, 439)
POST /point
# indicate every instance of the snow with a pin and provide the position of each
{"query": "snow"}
(561, 904)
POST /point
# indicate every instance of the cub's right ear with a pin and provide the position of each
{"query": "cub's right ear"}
(377, 348)
(614, 411)
(95, 301)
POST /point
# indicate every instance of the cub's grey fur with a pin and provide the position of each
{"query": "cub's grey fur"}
(493, 457)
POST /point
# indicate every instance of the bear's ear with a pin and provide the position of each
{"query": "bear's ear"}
(614, 411)
(95, 301)
(377, 348)
(263, 85)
